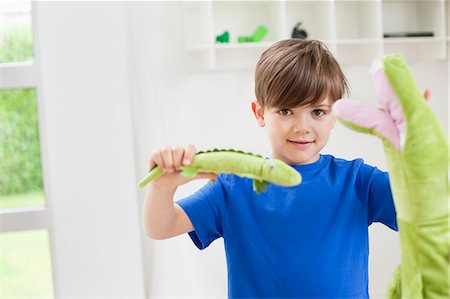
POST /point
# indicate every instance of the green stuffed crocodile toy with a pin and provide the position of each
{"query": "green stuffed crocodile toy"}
(417, 150)
(248, 165)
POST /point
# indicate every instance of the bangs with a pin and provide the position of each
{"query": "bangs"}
(296, 73)
(305, 88)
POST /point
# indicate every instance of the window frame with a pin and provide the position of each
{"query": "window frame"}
(20, 75)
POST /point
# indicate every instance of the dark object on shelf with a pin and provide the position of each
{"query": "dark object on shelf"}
(223, 38)
(257, 36)
(409, 34)
(298, 32)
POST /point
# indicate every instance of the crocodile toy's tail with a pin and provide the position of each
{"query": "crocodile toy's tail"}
(151, 175)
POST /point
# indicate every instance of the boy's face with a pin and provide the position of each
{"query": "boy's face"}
(297, 135)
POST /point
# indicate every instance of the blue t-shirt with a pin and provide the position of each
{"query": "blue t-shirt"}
(307, 241)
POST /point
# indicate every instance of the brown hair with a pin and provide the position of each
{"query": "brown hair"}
(296, 72)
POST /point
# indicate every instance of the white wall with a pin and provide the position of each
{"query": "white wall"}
(100, 58)
(87, 138)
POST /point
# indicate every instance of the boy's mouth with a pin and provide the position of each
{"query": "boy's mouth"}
(301, 143)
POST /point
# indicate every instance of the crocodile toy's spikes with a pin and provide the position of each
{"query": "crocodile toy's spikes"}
(249, 165)
(215, 150)
(416, 148)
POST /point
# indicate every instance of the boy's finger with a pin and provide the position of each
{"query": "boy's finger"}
(427, 94)
(166, 153)
(151, 164)
(155, 159)
(177, 157)
(189, 154)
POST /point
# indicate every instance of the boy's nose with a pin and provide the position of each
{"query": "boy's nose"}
(301, 125)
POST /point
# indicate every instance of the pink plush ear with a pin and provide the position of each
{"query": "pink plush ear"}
(387, 98)
(389, 124)
(361, 118)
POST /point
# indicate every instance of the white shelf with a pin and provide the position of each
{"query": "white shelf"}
(353, 30)
(447, 8)
(230, 46)
(412, 40)
(358, 41)
(417, 49)
(358, 19)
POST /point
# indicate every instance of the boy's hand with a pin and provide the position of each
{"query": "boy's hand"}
(170, 159)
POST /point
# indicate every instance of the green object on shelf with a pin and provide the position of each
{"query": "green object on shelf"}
(223, 38)
(245, 39)
(257, 36)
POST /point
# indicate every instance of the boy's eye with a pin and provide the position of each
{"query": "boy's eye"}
(285, 112)
(318, 112)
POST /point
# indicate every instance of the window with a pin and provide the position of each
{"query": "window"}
(25, 265)
(21, 179)
(17, 44)
(25, 241)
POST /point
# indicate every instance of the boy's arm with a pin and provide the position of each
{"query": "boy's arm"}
(161, 217)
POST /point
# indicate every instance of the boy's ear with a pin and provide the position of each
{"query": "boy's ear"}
(259, 113)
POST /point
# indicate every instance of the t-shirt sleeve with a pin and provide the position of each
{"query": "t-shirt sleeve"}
(206, 210)
(376, 189)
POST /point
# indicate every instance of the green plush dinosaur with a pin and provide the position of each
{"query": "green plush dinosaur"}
(417, 152)
(255, 167)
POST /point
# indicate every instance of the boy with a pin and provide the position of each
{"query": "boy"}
(308, 241)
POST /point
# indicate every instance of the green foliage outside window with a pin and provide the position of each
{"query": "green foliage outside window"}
(16, 43)
(19, 142)
(25, 265)
(20, 165)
